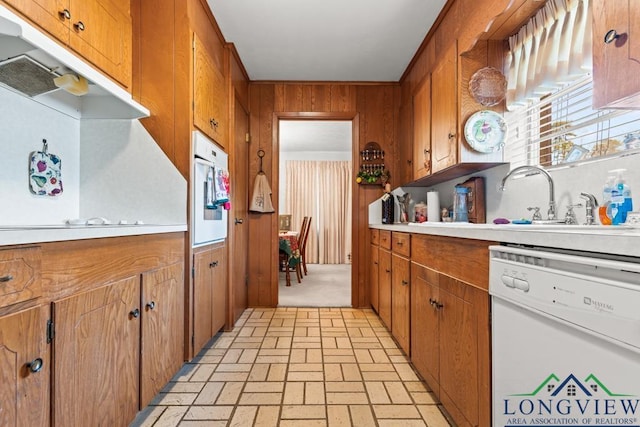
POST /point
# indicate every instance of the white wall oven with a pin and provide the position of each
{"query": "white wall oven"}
(210, 197)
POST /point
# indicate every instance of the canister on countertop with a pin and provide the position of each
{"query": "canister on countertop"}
(420, 212)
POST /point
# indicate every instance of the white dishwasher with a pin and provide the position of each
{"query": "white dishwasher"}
(565, 338)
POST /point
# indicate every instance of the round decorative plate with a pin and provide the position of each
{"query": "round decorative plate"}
(485, 131)
(488, 86)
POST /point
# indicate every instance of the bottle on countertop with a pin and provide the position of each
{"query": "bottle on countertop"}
(387, 205)
(604, 210)
(621, 202)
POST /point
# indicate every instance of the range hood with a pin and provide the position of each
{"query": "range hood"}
(29, 60)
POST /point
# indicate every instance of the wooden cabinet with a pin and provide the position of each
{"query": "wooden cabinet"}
(98, 30)
(374, 278)
(384, 286)
(20, 275)
(24, 389)
(209, 293)
(444, 115)
(401, 289)
(400, 297)
(162, 336)
(210, 110)
(425, 326)
(422, 129)
(616, 65)
(450, 326)
(97, 355)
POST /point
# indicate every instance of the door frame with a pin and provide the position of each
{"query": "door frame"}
(354, 118)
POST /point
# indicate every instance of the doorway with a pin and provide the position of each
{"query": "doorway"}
(315, 174)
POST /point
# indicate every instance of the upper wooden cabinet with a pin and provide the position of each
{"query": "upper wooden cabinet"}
(98, 30)
(422, 129)
(616, 65)
(210, 109)
(444, 114)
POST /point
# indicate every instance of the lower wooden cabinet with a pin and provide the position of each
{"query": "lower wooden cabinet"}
(162, 336)
(25, 368)
(384, 287)
(400, 300)
(97, 356)
(209, 293)
(373, 277)
(98, 333)
(450, 344)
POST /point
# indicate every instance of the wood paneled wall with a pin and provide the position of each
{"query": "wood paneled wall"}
(373, 108)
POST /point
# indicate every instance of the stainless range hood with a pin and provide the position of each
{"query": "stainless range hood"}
(29, 60)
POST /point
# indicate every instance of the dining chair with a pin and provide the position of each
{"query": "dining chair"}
(302, 242)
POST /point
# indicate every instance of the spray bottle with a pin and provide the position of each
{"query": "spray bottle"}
(621, 202)
(604, 211)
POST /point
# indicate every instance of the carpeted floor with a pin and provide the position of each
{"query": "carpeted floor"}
(325, 285)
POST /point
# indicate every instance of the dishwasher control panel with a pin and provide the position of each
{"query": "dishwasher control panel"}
(579, 291)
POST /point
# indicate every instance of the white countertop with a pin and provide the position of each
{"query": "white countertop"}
(616, 240)
(16, 235)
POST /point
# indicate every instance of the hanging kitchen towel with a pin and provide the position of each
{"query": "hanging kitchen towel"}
(261, 199)
(221, 186)
(45, 172)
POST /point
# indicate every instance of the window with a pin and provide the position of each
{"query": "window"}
(550, 120)
(562, 128)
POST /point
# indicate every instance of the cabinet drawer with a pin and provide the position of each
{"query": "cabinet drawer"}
(19, 275)
(375, 236)
(401, 244)
(385, 239)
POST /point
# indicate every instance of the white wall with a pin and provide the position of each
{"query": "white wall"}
(24, 123)
(126, 176)
(303, 155)
(110, 168)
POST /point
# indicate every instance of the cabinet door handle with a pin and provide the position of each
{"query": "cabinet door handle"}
(6, 278)
(79, 26)
(135, 313)
(405, 283)
(387, 270)
(239, 221)
(451, 135)
(213, 123)
(35, 365)
(399, 243)
(151, 305)
(65, 14)
(611, 36)
(375, 262)
(213, 264)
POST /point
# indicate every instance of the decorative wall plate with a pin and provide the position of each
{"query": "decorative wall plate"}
(488, 86)
(485, 131)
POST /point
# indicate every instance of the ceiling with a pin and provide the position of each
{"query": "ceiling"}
(326, 40)
(315, 135)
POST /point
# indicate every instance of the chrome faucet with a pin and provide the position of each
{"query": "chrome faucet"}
(534, 170)
(591, 205)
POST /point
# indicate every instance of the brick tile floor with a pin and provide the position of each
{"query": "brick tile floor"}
(297, 367)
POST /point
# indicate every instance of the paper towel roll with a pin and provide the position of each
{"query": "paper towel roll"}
(433, 206)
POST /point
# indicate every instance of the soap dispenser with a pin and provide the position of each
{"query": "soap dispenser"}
(621, 202)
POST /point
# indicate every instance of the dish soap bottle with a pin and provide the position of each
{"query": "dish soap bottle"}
(604, 211)
(621, 201)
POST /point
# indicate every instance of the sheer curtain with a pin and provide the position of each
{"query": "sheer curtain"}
(322, 190)
(551, 50)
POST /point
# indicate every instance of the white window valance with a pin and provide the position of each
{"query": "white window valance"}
(551, 50)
